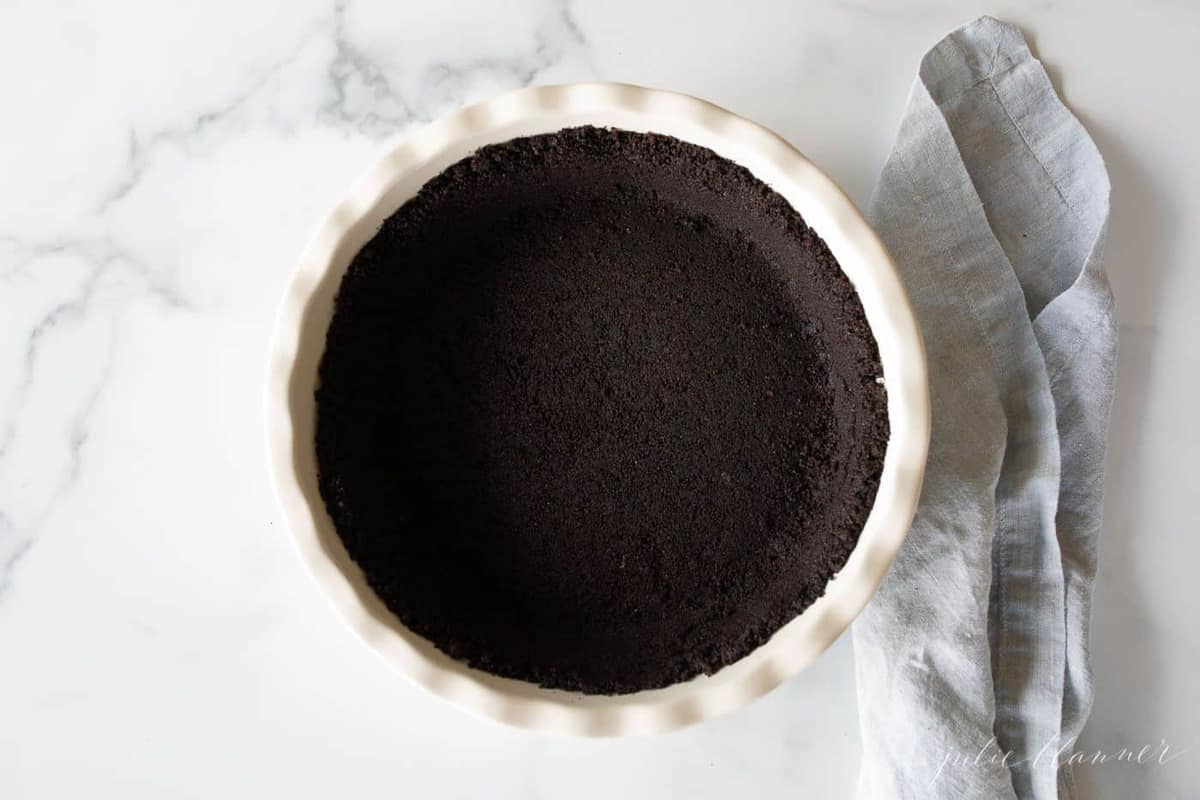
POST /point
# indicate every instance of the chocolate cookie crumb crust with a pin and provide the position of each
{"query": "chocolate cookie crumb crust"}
(598, 410)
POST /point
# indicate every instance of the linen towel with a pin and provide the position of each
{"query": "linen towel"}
(972, 660)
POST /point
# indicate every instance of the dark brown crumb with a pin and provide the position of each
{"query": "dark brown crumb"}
(599, 411)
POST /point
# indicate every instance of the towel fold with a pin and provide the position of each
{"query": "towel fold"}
(972, 660)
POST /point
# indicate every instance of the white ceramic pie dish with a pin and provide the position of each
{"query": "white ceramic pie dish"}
(300, 338)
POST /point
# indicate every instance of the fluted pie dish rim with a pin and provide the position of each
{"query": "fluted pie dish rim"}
(298, 344)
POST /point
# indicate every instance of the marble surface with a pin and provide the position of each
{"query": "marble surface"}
(162, 167)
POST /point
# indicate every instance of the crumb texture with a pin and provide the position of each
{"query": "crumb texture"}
(598, 410)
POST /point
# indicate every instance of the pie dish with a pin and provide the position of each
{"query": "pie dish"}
(300, 341)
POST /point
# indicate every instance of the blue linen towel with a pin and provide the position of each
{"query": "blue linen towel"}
(972, 660)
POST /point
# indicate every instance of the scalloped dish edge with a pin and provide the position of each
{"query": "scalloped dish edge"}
(299, 342)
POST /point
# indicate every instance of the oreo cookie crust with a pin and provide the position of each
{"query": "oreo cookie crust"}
(598, 410)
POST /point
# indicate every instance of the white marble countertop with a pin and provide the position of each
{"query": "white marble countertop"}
(163, 165)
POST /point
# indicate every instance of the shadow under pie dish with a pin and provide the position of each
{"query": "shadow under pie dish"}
(581, 400)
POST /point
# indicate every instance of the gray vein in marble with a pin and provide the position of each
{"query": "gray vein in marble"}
(80, 430)
(102, 256)
(33, 341)
(74, 308)
(443, 84)
(142, 150)
(350, 64)
(553, 39)
(15, 555)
